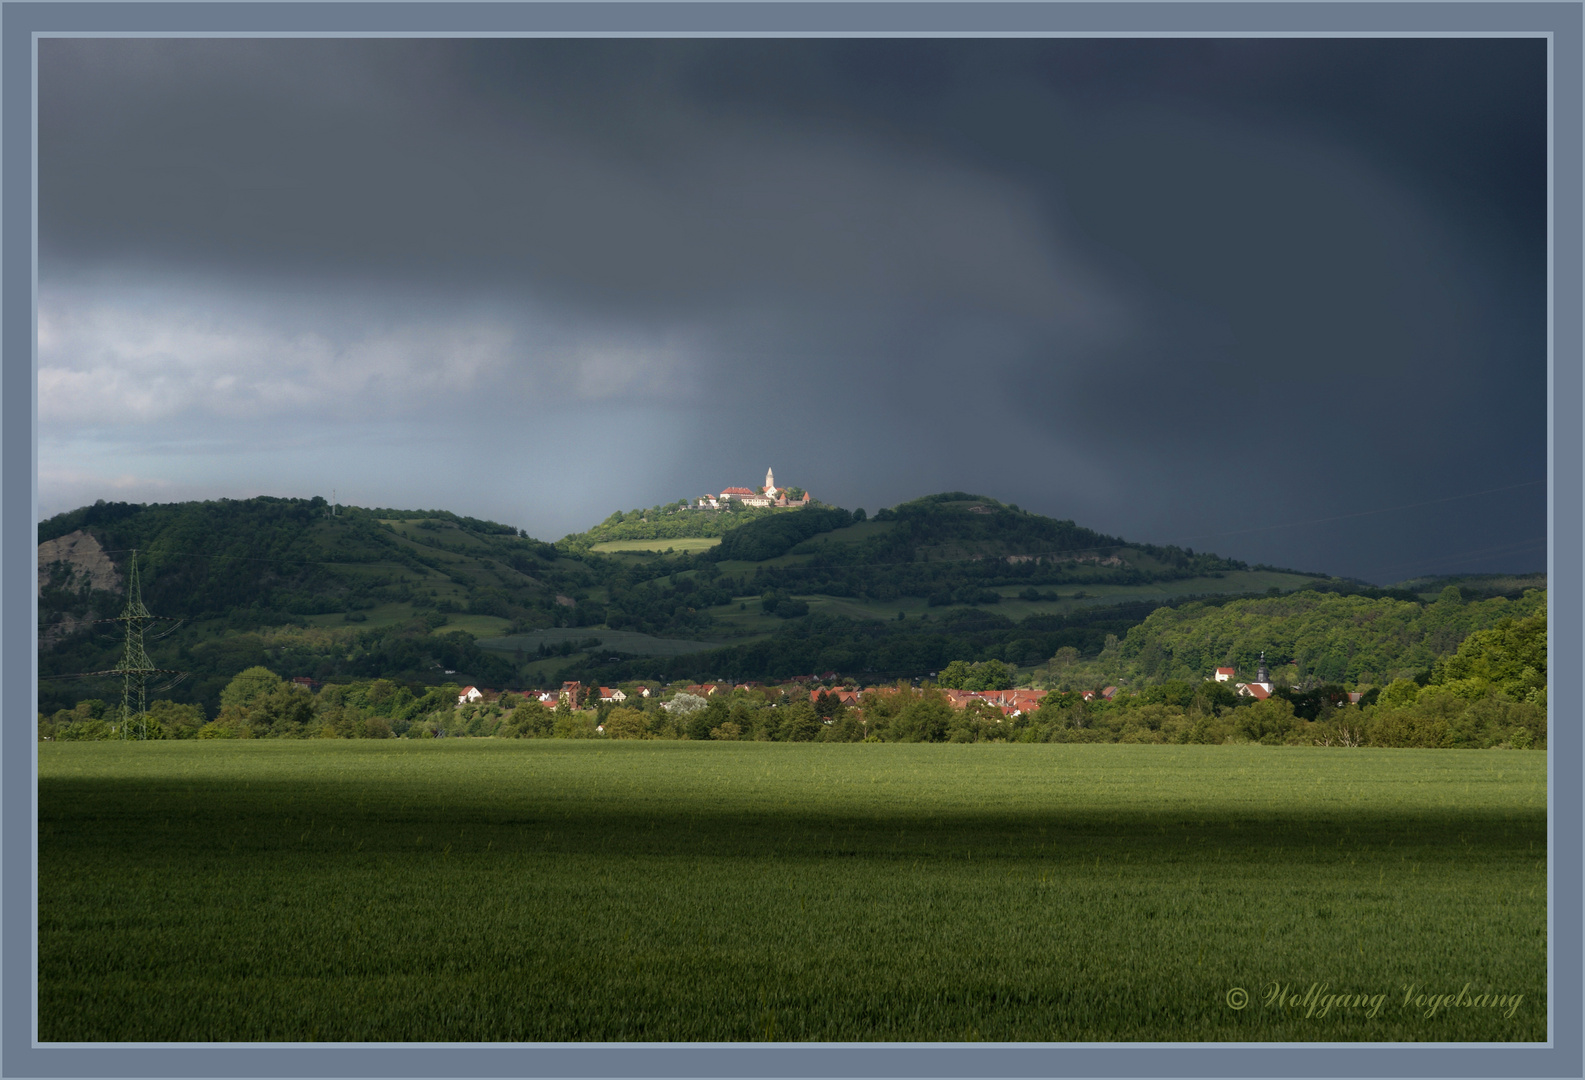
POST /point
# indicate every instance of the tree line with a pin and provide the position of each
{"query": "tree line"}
(1490, 693)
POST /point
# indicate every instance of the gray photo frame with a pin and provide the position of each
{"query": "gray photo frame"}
(24, 23)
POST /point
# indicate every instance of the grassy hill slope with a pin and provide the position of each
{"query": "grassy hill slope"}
(673, 521)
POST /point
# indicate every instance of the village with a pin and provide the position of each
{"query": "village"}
(826, 688)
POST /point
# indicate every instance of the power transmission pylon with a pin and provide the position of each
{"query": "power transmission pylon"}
(135, 667)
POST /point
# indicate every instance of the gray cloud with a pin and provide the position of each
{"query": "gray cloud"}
(1164, 288)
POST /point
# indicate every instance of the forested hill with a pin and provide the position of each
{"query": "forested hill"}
(374, 592)
(278, 558)
(954, 548)
(1314, 636)
(959, 527)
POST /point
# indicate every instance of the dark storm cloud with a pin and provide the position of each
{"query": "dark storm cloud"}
(1167, 288)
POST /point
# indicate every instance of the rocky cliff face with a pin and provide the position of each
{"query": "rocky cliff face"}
(85, 563)
(73, 562)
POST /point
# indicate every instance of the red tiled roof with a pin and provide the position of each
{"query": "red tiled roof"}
(737, 491)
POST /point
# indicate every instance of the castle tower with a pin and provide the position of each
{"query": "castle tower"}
(770, 483)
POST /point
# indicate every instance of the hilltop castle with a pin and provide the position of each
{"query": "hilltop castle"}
(769, 495)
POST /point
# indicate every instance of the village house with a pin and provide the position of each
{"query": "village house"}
(1224, 673)
(571, 694)
(1010, 702)
(469, 695)
(608, 694)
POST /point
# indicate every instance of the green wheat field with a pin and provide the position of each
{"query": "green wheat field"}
(557, 890)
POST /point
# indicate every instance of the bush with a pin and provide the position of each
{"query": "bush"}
(1270, 721)
(571, 725)
(530, 720)
(626, 724)
(921, 721)
(1209, 730)
(176, 721)
(798, 722)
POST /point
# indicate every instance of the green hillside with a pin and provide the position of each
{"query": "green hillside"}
(415, 595)
(966, 550)
(673, 521)
(282, 582)
(1312, 635)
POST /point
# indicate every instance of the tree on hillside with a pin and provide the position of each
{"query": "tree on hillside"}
(1510, 657)
(249, 686)
(1061, 662)
(985, 675)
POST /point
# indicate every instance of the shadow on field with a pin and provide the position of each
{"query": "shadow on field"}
(124, 817)
(506, 894)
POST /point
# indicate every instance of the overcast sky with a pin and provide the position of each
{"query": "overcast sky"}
(1237, 295)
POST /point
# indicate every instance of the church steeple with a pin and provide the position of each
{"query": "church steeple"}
(1262, 677)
